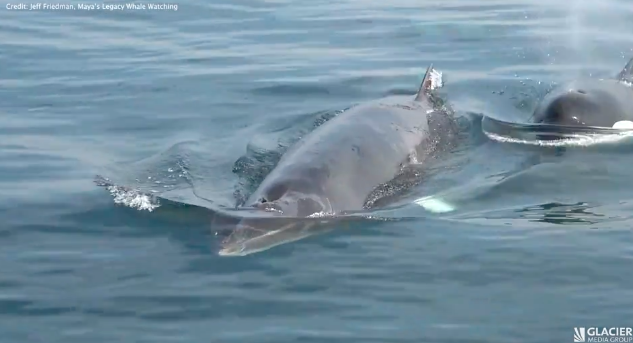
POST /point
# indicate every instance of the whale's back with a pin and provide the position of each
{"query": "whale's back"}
(347, 157)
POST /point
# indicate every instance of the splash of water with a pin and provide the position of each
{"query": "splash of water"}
(576, 21)
(577, 140)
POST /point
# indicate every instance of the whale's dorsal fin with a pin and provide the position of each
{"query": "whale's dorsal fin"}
(627, 72)
(432, 80)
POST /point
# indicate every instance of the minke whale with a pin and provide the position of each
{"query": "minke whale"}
(605, 103)
(335, 167)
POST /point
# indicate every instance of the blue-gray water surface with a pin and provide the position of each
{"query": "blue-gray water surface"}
(169, 100)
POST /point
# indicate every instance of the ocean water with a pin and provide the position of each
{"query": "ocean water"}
(190, 107)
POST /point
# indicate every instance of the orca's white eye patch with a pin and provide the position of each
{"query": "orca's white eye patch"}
(623, 124)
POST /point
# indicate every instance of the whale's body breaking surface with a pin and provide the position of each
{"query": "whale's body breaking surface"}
(590, 102)
(337, 166)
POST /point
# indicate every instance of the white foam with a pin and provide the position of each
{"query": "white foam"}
(133, 198)
(578, 140)
(436, 79)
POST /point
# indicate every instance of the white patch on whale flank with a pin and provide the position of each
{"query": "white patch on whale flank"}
(623, 124)
(434, 205)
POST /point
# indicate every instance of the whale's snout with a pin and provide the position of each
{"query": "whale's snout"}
(255, 235)
(251, 236)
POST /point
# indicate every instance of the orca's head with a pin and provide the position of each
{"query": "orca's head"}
(601, 103)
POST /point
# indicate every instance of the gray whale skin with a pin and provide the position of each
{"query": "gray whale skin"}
(336, 167)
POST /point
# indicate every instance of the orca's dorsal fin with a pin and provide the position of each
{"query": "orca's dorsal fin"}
(432, 80)
(626, 74)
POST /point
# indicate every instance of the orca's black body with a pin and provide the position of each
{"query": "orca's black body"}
(590, 102)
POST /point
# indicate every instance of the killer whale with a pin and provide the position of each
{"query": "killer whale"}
(605, 103)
